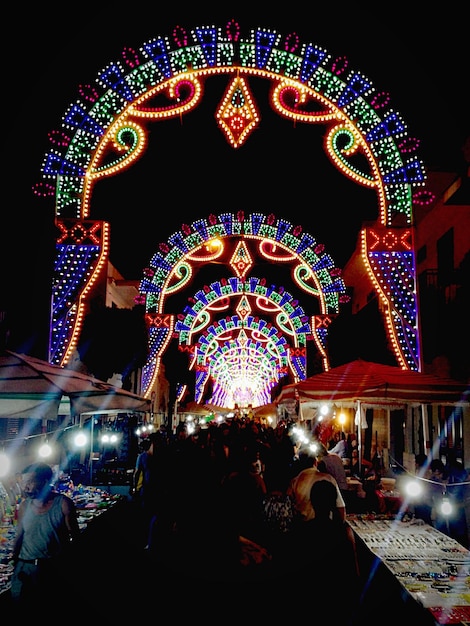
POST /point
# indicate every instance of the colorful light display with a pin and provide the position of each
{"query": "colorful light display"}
(106, 130)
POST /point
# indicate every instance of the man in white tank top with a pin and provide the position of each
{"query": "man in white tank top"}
(47, 523)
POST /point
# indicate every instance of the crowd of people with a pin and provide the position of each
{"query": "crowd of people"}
(235, 501)
(226, 497)
(254, 481)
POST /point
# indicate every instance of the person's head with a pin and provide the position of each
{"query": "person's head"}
(36, 480)
(157, 440)
(421, 463)
(323, 498)
(181, 431)
(145, 445)
(421, 459)
(437, 467)
(306, 460)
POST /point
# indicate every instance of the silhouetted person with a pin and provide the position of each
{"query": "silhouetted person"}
(319, 558)
(47, 523)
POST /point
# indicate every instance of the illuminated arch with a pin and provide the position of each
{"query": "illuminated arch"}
(290, 317)
(105, 130)
(248, 362)
(209, 343)
(206, 241)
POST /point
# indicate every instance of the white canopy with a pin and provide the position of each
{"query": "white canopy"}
(30, 387)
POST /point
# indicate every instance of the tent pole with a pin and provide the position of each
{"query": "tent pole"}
(92, 428)
(425, 428)
(359, 436)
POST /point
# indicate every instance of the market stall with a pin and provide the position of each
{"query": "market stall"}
(391, 411)
(91, 504)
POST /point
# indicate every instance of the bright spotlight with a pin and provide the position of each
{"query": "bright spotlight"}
(413, 488)
(80, 440)
(45, 451)
(446, 507)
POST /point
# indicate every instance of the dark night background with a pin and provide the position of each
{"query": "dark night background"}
(189, 170)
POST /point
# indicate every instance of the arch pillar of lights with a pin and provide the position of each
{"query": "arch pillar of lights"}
(105, 130)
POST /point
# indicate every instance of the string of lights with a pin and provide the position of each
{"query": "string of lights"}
(80, 436)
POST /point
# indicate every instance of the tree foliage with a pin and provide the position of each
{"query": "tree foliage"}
(114, 341)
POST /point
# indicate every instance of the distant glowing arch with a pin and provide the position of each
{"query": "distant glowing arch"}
(209, 342)
(245, 350)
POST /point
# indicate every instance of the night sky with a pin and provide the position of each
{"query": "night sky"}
(189, 170)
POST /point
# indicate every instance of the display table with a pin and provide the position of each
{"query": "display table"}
(432, 568)
(90, 502)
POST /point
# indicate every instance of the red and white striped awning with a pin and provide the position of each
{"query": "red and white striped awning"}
(374, 382)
